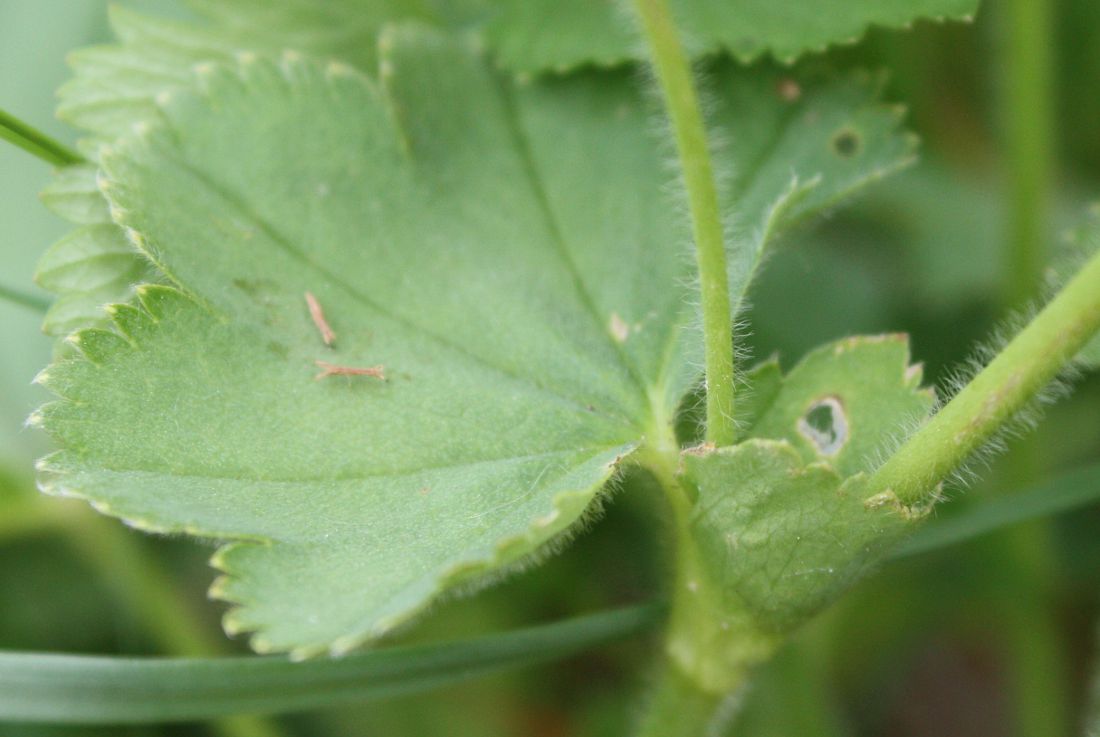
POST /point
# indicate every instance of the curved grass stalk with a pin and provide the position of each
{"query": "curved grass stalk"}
(42, 687)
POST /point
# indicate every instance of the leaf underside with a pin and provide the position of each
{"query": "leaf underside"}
(508, 252)
(781, 539)
(362, 498)
(92, 266)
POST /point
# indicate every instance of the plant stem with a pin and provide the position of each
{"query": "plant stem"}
(1003, 388)
(1038, 667)
(677, 708)
(707, 649)
(26, 299)
(1026, 114)
(1034, 646)
(35, 142)
(674, 75)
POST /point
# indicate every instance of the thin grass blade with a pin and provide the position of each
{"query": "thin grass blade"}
(40, 687)
(35, 142)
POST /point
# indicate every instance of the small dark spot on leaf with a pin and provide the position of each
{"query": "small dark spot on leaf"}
(247, 286)
(278, 349)
(254, 287)
(846, 143)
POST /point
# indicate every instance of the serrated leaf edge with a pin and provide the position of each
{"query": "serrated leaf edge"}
(713, 48)
(506, 553)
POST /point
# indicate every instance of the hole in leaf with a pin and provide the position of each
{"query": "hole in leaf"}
(825, 425)
(846, 143)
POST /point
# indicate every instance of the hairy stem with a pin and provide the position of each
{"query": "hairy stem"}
(707, 650)
(674, 75)
(1003, 388)
(35, 142)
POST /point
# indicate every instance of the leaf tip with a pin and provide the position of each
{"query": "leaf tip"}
(42, 378)
(34, 420)
(218, 590)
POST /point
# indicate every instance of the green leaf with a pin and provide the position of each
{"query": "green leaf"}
(39, 687)
(505, 250)
(74, 196)
(785, 164)
(344, 30)
(362, 500)
(798, 143)
(93, 266)
(772, 542)
(786, 537)
(113, 91)
(842, 402)
(781, 523)
(539, 35)
(114, 87)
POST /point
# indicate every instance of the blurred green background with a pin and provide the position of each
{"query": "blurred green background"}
(987, 639)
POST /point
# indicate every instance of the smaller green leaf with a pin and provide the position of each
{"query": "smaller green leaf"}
(781, 523)
(772, 542)
(800, 143)
(40, 687)
(787, 537)
(842, 403)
